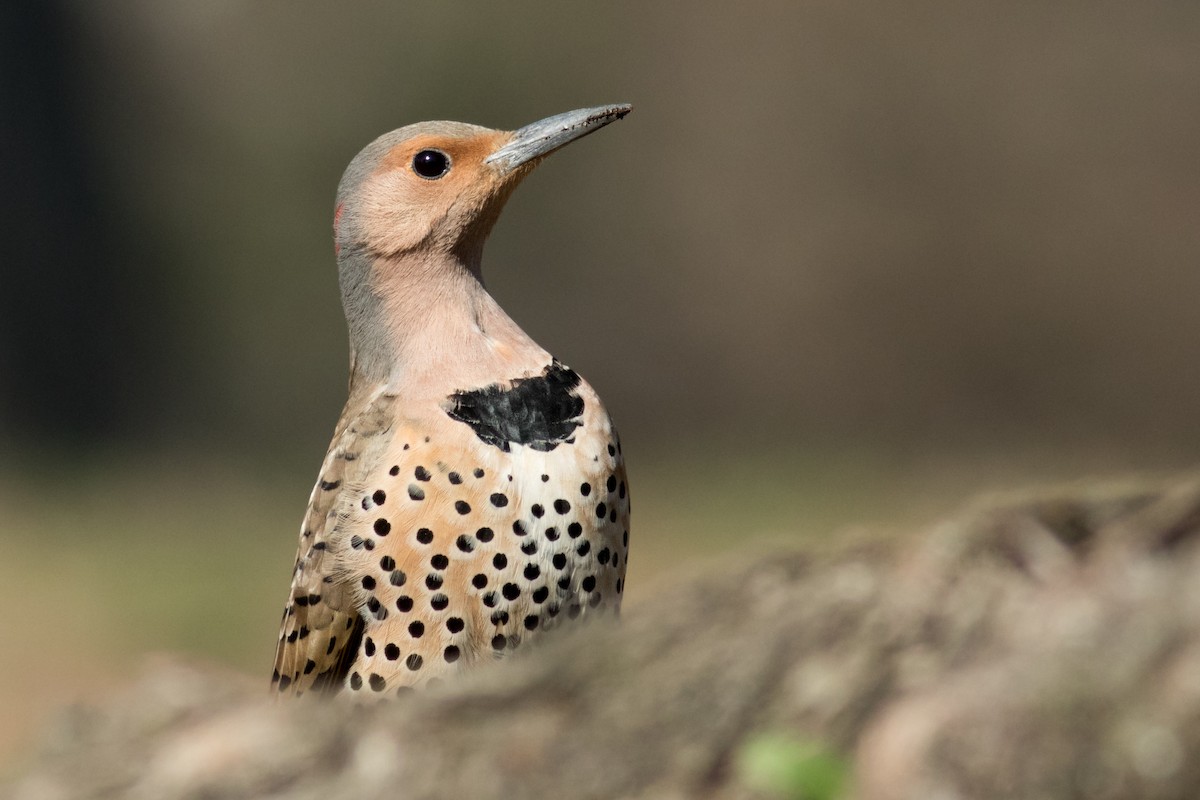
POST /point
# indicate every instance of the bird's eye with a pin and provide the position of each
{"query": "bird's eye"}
(431, 164)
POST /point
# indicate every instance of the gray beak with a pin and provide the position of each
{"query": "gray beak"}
(543, 137)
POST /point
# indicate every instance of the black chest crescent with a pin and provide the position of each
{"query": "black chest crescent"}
(540, 412)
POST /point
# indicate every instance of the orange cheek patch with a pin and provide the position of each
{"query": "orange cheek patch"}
(475, 149)
(468, 150)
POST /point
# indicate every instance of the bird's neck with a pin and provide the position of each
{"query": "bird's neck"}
(424, 325)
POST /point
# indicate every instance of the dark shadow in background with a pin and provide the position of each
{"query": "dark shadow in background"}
(66, 342)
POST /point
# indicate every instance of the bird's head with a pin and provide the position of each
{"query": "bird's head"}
(439, 186)
(413, 211)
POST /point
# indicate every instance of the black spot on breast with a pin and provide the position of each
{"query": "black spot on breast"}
(540, 412)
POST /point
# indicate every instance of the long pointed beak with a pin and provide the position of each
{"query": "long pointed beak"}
(543, 137)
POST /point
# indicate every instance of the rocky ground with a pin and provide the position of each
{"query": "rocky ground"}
(1045, 646)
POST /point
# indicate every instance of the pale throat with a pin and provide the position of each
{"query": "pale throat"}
(441, 332)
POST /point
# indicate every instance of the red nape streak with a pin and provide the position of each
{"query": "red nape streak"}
(337, 217)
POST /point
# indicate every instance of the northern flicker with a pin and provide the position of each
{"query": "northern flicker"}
(474, 493)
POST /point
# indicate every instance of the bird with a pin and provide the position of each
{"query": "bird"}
(474, 494)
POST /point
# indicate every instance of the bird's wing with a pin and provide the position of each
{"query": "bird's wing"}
(321, 625)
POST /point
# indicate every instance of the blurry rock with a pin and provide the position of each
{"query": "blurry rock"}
(1045, 646)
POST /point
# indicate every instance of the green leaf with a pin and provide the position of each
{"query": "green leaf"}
(791, 768)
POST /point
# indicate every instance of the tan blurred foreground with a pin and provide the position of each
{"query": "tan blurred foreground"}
(132, 559)
(1036, 646)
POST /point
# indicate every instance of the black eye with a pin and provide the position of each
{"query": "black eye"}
(431, 164)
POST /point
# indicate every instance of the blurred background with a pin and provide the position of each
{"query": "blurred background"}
(845, 264)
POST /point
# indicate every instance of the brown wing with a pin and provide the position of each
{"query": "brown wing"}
(320, 629)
